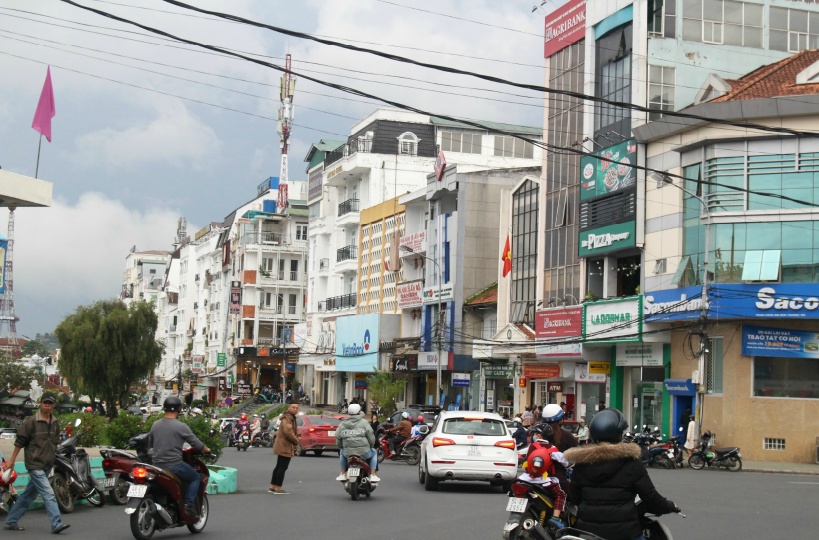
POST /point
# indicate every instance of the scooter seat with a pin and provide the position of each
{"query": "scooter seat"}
(726, 450)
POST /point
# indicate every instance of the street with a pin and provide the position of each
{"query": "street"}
(718, 504)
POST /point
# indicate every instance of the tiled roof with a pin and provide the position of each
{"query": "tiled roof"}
(486, 296)
(774, 80)
(526, 330)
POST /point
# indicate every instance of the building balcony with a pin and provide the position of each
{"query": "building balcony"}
(347, 253)
(345, 301)
(348, 206)
(346, 150)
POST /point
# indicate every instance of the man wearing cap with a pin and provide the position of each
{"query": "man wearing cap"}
(39, 435)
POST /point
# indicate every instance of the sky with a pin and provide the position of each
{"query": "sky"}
(148, 130)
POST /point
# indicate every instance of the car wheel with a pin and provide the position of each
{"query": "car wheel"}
(430, 482)
(318, 453)
(421, 474)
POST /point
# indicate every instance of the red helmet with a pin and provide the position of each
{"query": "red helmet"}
(243, 416)
(420, 417)
(8, 477)
(539, 462)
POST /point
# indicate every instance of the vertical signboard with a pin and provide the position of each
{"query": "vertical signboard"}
(221, 359)
(235, 297)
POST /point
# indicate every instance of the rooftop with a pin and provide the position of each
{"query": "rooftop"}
(779, 79)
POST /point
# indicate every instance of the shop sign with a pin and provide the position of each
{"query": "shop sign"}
(244, 389)
(196, 364)
(415, 242)
(357, 342)
(431, 294)
(481, 349)
(556, 387)
(408, 362)
(222, 383)
(762, 341)
(564, 26)
(360, 381)
(599, 367)
(609, 238)
(503, 371)
(428, 361)
(460, 379)
(612, 320)
(583, 375)
(235, 297)
(640, 354)
(608, 170)
(169, 385)
(541, 371)
(679, 387)
(546, 350)
(221, 359)
(410, 294)
(559, 322)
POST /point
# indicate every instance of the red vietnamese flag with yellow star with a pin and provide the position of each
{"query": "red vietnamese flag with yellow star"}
(506, 257)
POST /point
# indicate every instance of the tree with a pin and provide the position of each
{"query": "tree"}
(32, 347)
(107, 347)
(383, 388)
(14, 374)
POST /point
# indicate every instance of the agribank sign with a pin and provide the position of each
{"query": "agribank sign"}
(564, 26)
(357, 343)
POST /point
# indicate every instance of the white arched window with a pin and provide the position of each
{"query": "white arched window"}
(408, 144)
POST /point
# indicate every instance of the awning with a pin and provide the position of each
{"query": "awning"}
(13, 401)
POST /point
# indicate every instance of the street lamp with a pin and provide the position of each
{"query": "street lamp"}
(440, 326)
(659, 177)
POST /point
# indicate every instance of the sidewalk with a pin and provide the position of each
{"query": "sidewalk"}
(780, 467)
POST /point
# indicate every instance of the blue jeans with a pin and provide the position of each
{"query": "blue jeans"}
(370, 455)
(37, 484)
(191, 478)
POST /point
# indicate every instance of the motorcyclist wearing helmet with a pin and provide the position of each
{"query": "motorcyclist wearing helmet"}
(354, 436)
(607, 476)
(539, 469)
(265, 422)
(168, 435)
(241, 425)
(561, 437)
(541, 440)
(520, 435)
(416, 429)
(401, 432)
(255, 427)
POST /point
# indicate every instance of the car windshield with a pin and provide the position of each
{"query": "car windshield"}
(474, 426)
(324, 421)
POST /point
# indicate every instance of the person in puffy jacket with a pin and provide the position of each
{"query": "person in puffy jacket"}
(354, 436)
(607, 476)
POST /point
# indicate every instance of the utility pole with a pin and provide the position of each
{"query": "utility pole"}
(179, 383)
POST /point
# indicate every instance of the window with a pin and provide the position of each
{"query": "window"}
(793, 30)
(713, 366)
(524, 252)
(723, 21)
(786, 377)
(152, 271)
(465, 143)
(408, 144)
(291, 309)
(301, 232)
(513, 147)
(562, 204)
(661, 17)
(660, 90)
(613, 83)
(762, 265)
(773, 444)
(267, 264)
(660, 266)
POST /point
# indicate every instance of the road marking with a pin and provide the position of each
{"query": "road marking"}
(808, 483)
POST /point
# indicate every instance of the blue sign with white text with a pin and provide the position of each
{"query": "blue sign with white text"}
(765, 341)
(680, 387)
(357, 343)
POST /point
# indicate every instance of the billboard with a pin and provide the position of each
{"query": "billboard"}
(608, 238)
(559, 322)
(357, 343)
(564, 26)
(235, 297)
(410, 294)
(608, 171)
(764, 341)
(613, 320)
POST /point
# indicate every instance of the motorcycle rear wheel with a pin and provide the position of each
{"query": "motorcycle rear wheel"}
(733, 464)
(519, 533)
(143, 524)
(65, 501)
(354, 489)
(381, 455)
(119, 493)
(413, 455)
(96, 498)
(204, 510)
(696, 462)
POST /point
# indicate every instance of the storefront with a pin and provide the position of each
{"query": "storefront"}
(499, 388)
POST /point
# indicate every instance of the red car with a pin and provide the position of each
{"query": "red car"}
(317, 432)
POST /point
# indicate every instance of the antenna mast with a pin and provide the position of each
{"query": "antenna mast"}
(286, 90)
(7, 316)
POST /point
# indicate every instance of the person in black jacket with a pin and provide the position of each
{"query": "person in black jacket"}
(607, 477)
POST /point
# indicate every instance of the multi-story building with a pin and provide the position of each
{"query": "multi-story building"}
(736, 242)
(388, 153)
(144, 275)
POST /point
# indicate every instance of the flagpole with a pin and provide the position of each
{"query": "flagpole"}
(37, 167)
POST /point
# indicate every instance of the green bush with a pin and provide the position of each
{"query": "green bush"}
(122, 428)
(92, 430)
(201, 427)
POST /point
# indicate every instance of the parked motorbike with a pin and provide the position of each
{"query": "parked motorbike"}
(156, 499)
(304, 399)
(242, 440)
(530, 507)
(728, 457)
(117, 465)
(409, 450)
(342, 406)
(264, 398)
(71, 477)
(263, 439)
(8, 494)
(358, 478)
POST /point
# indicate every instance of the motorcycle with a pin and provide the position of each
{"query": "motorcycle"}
(117, 465)
(263, 439)
(530, 507)
(652, 528)
(342, 406)
(8, 494)
(155, 499)
(728, 457)
(263, 398)
(409, 450)
(71, 477)
(242, 440)
(358, 478)
(304, 399)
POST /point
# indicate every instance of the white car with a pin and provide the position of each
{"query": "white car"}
(468, 445)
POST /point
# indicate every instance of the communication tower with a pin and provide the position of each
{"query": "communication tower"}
(287, 88)
(8, 320)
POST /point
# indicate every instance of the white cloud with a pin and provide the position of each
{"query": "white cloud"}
(175, 137)
(70, 255)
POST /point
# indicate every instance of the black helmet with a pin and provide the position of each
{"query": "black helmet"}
(543, 429)
(172, 403)
(608, 426)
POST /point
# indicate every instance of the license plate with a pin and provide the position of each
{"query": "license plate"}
(137, 491)
(516, 504)
(331, 433)
(474, 451)
(352, 472)
(109, 482)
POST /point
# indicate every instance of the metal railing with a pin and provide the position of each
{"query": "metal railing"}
(294, 276)
(347, 207)
(352, 147)
(347, 253)
(344, 301)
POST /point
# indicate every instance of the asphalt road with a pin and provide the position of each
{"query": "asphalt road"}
(719, 504)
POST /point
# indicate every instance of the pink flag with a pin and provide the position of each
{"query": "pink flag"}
(45, 109)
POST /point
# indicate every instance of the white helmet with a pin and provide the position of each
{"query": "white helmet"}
(404, 414)
(355, 408)
(553, 413)
(517, 419)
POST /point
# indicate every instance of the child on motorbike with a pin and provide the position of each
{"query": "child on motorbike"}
(539, 469)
